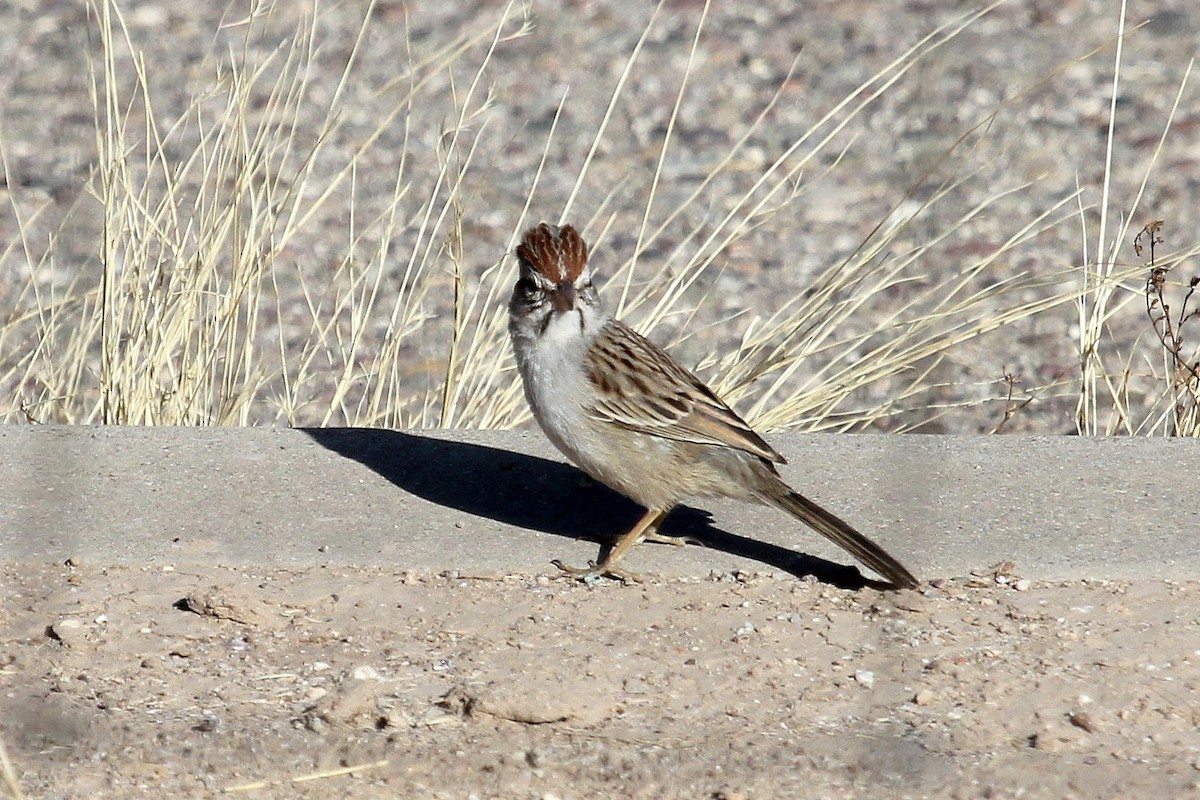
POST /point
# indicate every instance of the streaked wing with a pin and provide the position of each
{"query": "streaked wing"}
(641, 388)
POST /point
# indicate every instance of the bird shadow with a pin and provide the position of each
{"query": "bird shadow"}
(531, 492)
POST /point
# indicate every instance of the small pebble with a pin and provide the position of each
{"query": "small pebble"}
(207, 724)
(68, 631)
(864, 678)
(1022, 584)
(730, 794)
(1081, 720)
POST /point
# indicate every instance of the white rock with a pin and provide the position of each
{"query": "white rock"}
(364, 673)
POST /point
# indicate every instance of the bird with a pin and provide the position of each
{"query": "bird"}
(631, 417)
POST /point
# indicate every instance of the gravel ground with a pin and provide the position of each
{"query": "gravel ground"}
(127, 682)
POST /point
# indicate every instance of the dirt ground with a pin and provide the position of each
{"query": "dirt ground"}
(188, 681)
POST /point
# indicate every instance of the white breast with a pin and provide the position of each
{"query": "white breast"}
(556, 386)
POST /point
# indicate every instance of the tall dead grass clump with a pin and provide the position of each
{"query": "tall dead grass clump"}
(205, 308)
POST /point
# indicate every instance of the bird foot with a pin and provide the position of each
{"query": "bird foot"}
(592, 572)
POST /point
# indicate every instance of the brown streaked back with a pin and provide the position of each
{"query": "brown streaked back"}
(639, 387)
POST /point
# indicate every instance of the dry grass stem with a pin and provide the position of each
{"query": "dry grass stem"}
(12, 782)
(314, 776)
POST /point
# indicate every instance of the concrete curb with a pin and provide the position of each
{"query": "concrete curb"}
(489, 502)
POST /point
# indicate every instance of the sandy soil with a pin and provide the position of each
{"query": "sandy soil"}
(152, 682)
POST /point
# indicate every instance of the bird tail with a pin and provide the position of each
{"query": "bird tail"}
(842, 534)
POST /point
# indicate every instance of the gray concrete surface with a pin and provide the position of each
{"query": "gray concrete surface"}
(488, 502)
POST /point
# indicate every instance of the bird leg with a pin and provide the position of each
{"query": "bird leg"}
(608, 566)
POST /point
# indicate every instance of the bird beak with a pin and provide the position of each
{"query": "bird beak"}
(563, 297)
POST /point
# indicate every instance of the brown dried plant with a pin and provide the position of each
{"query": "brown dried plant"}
(1170, 322)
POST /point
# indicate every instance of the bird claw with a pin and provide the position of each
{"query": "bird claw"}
(678, 541)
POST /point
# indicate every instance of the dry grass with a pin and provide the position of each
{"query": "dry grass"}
(176, 330)
(1115, 395)
(188, 323)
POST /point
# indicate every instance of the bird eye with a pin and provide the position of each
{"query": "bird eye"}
(528, 288)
